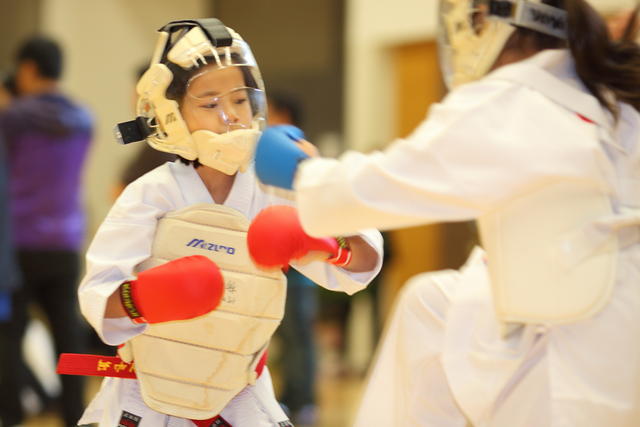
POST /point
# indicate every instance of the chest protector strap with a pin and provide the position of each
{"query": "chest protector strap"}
(193, 368)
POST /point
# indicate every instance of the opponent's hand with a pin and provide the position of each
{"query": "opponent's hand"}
(181, 289)
(276, 237)
(277, 155)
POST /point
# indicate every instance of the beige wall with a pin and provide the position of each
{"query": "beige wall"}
(612, 6)
(105, 41)
(371, 29)
(18, 20)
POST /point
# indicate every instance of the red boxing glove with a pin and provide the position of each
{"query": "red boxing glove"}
(181, 289)
(276, 237)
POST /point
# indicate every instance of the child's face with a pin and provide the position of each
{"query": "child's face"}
(217, 100)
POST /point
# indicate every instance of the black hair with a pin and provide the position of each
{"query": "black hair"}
(196, 163)
(45, 53)
(9, 84)
(177, 90)
(178, 87)
(288, 104)
(610, 69)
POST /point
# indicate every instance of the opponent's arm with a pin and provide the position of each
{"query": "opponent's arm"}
(438, 173)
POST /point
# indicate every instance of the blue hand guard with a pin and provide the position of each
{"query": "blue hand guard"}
(277, 155)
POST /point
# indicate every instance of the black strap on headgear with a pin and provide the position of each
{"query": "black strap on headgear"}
(213, 28)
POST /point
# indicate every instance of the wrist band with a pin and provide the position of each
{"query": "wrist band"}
(127, 303)
(343, 257)
(342, 242)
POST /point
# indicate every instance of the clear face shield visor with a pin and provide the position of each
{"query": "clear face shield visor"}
(472, 33)
(222, 100)
(225, 111)
(226, 77)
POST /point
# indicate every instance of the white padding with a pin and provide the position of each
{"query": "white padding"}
(193, 368)
(540, 272)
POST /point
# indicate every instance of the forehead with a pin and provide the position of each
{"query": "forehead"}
(212, 80)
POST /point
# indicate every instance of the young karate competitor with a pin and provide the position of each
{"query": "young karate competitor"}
(169, 276)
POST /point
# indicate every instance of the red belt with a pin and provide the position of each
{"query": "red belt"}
(110, 366)
(113, 366)
(96, 365)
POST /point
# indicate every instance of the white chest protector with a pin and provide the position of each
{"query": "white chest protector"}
(553, 252)
(543, 265)
(193, 368)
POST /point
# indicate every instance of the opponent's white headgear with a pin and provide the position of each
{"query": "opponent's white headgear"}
(190, 44)
(472, 33)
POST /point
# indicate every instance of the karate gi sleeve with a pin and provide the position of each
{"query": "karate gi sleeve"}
(484, 144)
(122, 242)
(324, 274)
(338, 279)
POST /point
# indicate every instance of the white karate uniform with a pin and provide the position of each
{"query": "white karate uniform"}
(124, 240)
(444, 361)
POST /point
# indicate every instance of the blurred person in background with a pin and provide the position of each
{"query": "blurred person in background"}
(297, 329)
(47, 136)
(31, 383)
(539, 141)
(8, 265)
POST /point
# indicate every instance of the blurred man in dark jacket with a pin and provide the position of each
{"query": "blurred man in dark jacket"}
(47, 136)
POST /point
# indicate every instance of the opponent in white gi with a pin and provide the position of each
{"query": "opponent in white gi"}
(171, 254)
(544, 152)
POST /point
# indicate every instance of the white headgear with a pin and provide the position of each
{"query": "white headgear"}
(191, 44)
(472, 33)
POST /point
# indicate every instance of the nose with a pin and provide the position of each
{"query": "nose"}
(230, 115)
